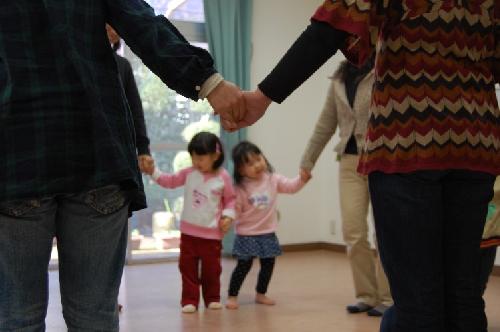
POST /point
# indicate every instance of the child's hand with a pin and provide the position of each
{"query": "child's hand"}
(225, 224)
(305, 174)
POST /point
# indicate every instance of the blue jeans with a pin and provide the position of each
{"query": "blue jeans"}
(488, 256)
(388, 320)
(429, 226)
(91, 232)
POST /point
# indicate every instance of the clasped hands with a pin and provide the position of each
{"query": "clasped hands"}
(237, 109)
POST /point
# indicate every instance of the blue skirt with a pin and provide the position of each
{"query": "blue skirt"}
(261, 246)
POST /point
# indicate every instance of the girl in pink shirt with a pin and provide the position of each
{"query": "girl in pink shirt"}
(208, 212)
(257, 188)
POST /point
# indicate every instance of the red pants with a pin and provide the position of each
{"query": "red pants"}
(193, 250)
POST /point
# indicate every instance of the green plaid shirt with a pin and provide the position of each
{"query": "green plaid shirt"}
(65, 125)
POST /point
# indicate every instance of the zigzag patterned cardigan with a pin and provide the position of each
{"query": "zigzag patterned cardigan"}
(434, 104)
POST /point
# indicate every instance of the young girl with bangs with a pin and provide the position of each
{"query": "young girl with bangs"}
(257, 188)
(207, 214)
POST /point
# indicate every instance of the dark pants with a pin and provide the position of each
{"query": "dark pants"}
(488, 256)
(429, 226)
(242, 269)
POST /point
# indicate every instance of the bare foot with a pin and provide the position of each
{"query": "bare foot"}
(263, 299)
(232, 303)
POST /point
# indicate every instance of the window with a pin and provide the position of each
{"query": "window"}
(171, 121)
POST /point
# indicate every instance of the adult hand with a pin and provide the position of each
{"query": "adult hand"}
(227, 101)
(256, 105)
(305, 174)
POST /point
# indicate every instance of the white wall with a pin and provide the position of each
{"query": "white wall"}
(284, 131)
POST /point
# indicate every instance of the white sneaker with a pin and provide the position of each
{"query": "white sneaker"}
(215, 305)
(188, 309)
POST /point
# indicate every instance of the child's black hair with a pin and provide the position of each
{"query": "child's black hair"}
(206, 143)
(241, 153)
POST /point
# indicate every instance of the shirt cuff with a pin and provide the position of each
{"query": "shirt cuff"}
(156, 174)
(209, 85)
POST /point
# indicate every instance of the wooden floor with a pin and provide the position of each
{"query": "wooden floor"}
(311, 289)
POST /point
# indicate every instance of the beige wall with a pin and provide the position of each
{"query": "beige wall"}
(285, 129)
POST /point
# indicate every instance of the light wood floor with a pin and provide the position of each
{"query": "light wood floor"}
(311, 289)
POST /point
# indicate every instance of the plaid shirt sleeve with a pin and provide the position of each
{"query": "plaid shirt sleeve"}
(181, 66)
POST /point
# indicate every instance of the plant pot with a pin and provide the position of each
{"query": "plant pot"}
(135, 242)
(171, 242)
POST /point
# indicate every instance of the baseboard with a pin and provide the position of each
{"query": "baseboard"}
(496, 271)
(313, 246)
(339, 248)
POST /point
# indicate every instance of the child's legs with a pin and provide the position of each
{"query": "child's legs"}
(239, 274)
(265, 274)
(210, 251)
(188, 266)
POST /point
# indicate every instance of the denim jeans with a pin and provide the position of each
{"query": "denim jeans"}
(388, 322)
(91, 232)
(429, 226)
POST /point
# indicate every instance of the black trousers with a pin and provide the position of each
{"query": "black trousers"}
(488, 256)
(429, 226)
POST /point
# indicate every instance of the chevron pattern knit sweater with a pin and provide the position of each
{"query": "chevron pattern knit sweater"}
(434, 104)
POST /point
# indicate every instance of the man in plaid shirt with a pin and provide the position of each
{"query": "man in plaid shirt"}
(68, 165)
